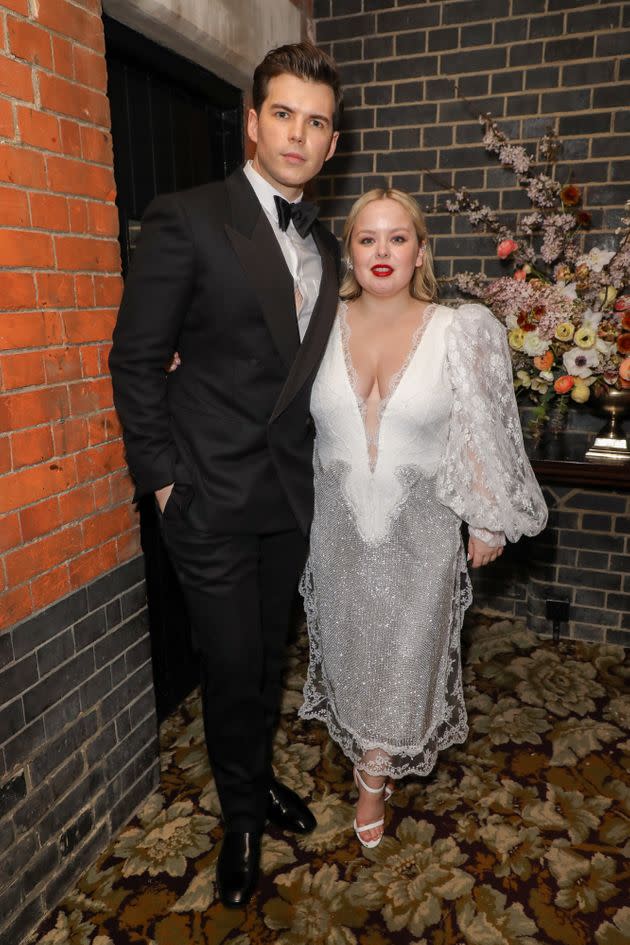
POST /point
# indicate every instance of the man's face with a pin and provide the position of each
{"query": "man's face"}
(293, 133)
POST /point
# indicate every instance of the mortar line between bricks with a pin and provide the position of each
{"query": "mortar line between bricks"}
(108, 475)
(11, 185)
(26, 18)
(130, 762)
(53, 271)
(65, 234)
(85, 712)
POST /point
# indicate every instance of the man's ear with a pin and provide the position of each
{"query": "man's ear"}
(333, 146)
(252, 125)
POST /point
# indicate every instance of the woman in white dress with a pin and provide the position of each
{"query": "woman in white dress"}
(417, 431)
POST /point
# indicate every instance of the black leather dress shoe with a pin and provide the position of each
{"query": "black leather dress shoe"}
(237, 867)
(288, 811)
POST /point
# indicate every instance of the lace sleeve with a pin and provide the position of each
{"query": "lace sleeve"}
(485, 476)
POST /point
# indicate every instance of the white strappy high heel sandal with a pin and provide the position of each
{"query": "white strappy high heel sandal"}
(383, 789)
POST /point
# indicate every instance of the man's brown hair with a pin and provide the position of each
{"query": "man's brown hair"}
(304, 60)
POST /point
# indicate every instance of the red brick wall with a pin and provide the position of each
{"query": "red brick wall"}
(65, 515)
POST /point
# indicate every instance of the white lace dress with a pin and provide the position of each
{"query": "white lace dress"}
(386, 584)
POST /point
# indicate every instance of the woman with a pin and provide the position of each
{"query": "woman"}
(417, 431)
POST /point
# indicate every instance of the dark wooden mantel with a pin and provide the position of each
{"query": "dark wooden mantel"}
(611, 475)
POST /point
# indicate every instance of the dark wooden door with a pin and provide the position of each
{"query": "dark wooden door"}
(174, 125)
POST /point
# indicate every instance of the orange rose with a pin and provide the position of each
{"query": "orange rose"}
(624, 370)
(520, 275)
(564, 384)
(623, 344)
(544, 362)
(506, 248)
(625, 321)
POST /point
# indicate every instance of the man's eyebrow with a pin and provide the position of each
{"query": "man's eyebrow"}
(288, 108)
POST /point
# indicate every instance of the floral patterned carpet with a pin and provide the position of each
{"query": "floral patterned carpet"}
(521, 836)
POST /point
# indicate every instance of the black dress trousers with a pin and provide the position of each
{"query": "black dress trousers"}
(240, 592)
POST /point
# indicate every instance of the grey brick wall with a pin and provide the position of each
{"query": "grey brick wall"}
(583, 556)
(532, 63)
(78, 739)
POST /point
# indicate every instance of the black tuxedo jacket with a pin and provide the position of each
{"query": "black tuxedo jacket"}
(231, 426)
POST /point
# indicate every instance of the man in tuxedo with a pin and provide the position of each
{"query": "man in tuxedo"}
(241, 279)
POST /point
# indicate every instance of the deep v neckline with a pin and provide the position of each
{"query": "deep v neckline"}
(372, 439)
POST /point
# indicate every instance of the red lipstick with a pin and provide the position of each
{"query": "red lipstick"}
(382, 271)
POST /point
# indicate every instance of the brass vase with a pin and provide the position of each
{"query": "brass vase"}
(611, 442)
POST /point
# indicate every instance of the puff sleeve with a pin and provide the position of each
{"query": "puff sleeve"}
(485, 475)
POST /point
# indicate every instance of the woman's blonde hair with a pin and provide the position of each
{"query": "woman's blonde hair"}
(423, 285)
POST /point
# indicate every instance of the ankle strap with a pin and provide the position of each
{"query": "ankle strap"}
(366, 787)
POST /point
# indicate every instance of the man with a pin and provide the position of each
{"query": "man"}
(239, 280)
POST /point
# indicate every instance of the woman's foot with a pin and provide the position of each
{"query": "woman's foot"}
(370, 820)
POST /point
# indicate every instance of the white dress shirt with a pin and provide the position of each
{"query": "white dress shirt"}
(301, 254)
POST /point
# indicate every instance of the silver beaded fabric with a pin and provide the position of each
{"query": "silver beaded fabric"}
(386, 584)
(384, 622)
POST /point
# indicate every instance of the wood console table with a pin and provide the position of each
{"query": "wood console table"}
(612, 475)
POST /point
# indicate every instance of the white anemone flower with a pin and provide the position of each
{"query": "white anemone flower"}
(596, 259)
(579, 361)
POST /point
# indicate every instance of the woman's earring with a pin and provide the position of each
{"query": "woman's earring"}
(349, 265)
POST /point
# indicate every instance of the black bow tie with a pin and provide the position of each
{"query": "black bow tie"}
(303, 215)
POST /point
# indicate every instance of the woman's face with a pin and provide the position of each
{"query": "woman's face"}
(384, 248)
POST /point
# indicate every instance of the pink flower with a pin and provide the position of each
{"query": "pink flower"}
(622, 303)
(520, 275)
(506, 248)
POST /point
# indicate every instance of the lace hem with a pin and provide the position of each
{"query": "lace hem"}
(400, 761)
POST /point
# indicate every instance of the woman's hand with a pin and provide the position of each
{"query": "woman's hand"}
(480, 553)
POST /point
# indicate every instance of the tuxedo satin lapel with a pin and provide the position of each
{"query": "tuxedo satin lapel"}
(257, 248)
(312, 348)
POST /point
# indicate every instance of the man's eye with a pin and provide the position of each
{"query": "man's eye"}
(317, 123)
(281, 114)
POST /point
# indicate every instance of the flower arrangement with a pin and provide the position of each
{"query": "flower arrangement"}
(565, 311)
